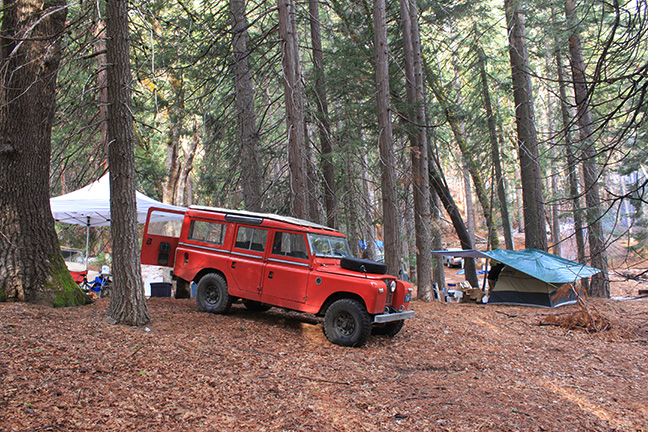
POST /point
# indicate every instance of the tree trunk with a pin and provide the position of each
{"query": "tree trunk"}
(246, 115)
(368, 233)
(127, 303)
(169, 194)
(438, 183)
(572, 165)
(530, 170)
(293, 89)
(495, 153)
(321, 99)
(553, 172)
(31, 266)
(600, 283)
(386, 141)
(183, 193)
(418, 144)
(438, 273)
(102, 86)
(453, 120)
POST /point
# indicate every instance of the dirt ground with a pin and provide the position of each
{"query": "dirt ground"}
(454, 367)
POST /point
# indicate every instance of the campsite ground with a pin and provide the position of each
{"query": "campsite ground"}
(454, 367)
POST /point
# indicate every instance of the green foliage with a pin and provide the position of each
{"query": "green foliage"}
(181, 62)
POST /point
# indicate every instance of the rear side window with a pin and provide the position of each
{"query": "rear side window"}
(251, 238)
(204, 231)
(165, 224)
(289, 244)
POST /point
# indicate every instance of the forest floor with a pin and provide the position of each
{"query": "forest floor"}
(454, 367)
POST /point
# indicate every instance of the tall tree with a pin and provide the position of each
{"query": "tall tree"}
(323, 124)
(437, 181)
(530, 171)
(495, 151)
(127, 304)
(600, 284)
(246, 114)
(554, 208)
(294, 102)
(451, 112)
(418, 147)
(572, 165)
(386, 140)
(31, 265)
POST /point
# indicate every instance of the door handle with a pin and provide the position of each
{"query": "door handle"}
(233, 264)
(270, 275)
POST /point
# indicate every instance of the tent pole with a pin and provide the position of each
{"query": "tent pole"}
(87, 242)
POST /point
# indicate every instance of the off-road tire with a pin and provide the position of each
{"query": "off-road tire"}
(390, 329)
(255, 306)
(347, 323)
(212, 295)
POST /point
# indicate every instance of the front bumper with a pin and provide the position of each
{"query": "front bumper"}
(396, 316)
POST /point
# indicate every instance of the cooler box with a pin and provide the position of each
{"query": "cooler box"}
(160, 289)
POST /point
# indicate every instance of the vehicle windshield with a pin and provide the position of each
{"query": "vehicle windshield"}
(328, 246)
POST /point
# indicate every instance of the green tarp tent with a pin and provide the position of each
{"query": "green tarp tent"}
(531, 276)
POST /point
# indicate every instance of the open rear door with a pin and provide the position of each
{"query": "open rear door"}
(161, 235)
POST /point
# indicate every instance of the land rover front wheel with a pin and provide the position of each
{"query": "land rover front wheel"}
(347, 323)
(390, 329)
(212, 295)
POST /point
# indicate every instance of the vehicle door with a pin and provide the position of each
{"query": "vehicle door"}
(161, 235)
(246, 259)
(287, 268)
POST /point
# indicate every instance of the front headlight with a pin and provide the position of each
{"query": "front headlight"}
(392, 286)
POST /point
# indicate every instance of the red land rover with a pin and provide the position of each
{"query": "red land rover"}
(268, 260)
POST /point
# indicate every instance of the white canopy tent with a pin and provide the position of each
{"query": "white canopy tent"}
(90, 206)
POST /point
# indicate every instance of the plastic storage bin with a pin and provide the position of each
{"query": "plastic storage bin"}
(160, 289)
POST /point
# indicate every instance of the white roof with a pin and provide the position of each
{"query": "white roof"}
(287, 219)
(90, 206)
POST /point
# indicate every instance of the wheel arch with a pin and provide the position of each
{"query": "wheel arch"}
(207, 271)
(339, 296)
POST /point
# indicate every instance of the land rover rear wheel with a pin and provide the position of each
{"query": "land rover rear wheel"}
(212, 295)
(347, 323)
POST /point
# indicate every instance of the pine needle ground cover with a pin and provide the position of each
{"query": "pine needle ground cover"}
(454, 367)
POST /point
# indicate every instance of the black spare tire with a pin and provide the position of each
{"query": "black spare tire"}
(363, 265)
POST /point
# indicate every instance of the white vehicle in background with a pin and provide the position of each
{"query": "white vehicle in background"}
(453, 261)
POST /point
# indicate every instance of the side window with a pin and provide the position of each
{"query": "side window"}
(165, 224)
(289, 244)
(210, 232)
(251, 239)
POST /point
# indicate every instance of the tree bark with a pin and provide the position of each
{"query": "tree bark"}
(31, 266)
(293, 88)
(246, 114)
(323, 124)
(418, 144)
(127, 303)
(386, 141)
(600, 283)
(530, 171)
